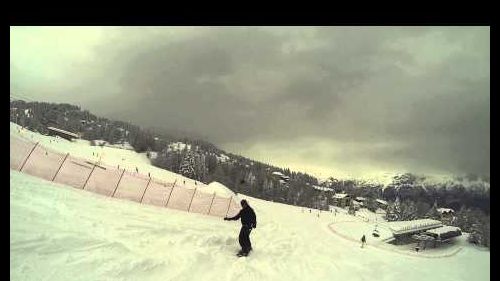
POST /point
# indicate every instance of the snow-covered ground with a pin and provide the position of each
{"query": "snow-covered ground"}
(61, 233)
(125, 158)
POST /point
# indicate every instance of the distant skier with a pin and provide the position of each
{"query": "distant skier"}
(248, 222)
(363, 241)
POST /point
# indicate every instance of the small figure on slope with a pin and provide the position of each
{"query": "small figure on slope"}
(248, 222)
(363, 241)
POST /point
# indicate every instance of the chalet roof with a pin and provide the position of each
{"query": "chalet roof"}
(340, 195)
(322, 188)
(406, 227)
(381, 201)
(443, 229)
(63, 132)
(445, 210)
(444, 232)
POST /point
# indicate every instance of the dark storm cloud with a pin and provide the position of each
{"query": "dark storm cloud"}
(408, 97)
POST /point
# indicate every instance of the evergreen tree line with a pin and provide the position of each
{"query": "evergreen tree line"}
(203, 162)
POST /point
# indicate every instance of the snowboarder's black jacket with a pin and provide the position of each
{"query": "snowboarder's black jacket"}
(247, 216)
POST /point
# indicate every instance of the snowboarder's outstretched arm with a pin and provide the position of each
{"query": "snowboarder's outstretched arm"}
(237, 217)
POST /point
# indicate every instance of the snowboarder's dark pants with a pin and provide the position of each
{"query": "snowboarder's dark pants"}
(244, 238)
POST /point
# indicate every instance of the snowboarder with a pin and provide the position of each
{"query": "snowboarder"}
(363, 241)
(248, 222)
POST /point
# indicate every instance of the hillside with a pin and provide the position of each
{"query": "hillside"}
(105, 238)
(101, 238)
(202, 161)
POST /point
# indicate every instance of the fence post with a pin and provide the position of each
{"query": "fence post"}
(209, 209)
(57, 172)
(172, 190)
(145, 189)
(26, 160)
(229, 205)
(95, 164)
(192, 197)
(117, 184)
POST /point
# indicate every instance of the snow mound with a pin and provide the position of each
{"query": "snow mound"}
(219, 189)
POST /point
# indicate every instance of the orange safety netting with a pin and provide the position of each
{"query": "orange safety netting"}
(74, 172)
(219, 206)
(103, 180)
(201, 202)
(39, 161)
(157, 194)
(180, 198)
(234, 208)
(43, 163)
(19, 151)
(131, 187)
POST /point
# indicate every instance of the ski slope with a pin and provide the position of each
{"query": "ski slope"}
(124, 158)
(62, 233)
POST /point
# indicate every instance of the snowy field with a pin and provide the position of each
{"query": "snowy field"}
(126, 159)
(61, 233)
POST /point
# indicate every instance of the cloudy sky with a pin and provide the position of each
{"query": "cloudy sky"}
(340, 101)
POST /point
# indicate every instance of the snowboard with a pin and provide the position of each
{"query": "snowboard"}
(242, 254)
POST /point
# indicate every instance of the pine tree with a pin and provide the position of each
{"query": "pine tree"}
(352, 209)
(187, 167)
(201, 170)
(433, 212)
(476, 235)
(371, 205)
(397, 209)
(408, 210)
(393, 211)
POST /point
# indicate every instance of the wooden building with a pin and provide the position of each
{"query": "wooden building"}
(341, 200)
(62, 133)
